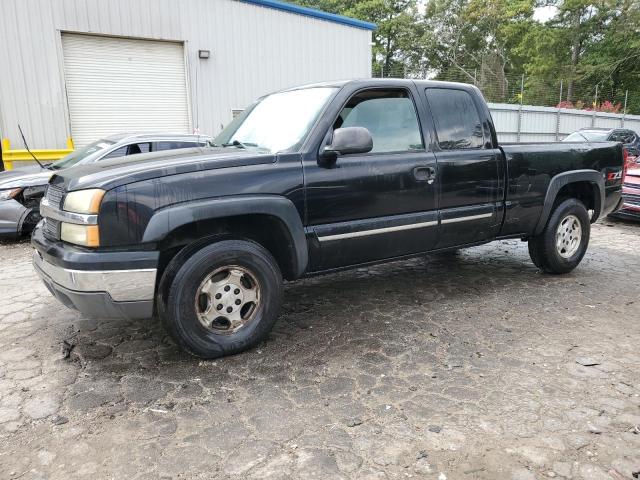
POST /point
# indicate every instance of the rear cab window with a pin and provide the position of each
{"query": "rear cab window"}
(456, 119)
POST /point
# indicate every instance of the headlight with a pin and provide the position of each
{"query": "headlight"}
(84, 201)
(9, 193)
(85, 235)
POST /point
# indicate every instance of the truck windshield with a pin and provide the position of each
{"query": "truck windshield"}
(277, 122)
(78, 155)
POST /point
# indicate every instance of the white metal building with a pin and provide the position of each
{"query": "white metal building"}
(87, 68)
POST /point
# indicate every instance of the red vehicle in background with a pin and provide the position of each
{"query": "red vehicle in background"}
(631, 175)
(631, 194)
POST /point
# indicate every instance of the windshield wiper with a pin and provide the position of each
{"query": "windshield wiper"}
(239, 144)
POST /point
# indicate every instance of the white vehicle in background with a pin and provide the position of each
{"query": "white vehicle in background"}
(22, 190)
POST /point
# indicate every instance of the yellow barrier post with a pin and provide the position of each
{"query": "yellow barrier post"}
(44, 155)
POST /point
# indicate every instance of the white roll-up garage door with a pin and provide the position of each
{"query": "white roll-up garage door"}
(117, 85)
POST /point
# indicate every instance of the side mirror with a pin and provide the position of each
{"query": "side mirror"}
(350, 140)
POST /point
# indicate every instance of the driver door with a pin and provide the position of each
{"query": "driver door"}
(380, 204)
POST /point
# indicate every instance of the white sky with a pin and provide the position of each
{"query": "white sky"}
(543, 14)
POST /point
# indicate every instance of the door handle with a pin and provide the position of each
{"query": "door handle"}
(425, 174)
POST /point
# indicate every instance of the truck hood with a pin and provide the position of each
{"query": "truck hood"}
(108, 174)
(22, 179)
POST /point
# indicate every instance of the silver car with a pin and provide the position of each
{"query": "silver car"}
(22, 190)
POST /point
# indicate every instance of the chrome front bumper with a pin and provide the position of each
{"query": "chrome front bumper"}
(100, 293)
(121, 285)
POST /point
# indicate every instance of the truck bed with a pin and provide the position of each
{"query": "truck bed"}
(531, 166)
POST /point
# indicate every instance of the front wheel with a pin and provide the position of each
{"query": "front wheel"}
(564, 241)
(223, 299)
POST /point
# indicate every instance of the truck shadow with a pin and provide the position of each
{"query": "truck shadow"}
(409, 291)
(424, 314)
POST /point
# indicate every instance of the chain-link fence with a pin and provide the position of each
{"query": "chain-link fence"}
(498, 87)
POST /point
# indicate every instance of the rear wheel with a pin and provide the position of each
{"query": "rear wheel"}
(564, 241)
(223, 299)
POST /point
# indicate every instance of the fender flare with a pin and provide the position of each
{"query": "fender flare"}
(562, 179)
(166, 220)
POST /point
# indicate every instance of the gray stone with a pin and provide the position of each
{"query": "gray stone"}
(354, 422)
(59, 420)
(593, 472)
(42, 406)
(8, 414)
(522, 474)
(594, 429)
(587, 361)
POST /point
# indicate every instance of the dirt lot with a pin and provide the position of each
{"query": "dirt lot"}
(471, 367)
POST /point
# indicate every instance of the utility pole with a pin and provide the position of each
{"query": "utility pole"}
(520, 109)
(558, 113)
(595, 105)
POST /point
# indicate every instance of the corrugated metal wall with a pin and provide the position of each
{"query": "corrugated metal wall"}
(548, 124)
(254, 50)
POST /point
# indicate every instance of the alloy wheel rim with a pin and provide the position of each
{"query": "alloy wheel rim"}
(227, 299)
(568, 236)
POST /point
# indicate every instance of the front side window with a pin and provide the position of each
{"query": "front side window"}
(389, 115)
(457, 122)
(277, 122)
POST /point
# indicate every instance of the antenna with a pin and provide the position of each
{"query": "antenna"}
(27, 147)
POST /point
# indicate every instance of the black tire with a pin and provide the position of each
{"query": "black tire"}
(178, 310)
(542, 249)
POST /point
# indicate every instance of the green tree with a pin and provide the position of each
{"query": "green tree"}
(585, 44)
(493, 42)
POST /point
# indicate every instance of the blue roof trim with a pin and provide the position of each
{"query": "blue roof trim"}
(311, 12)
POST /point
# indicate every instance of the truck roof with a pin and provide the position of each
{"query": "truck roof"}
(385, 81)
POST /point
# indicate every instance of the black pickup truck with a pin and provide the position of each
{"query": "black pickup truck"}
(310, 180)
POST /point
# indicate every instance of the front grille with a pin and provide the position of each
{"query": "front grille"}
(51, 229)
(54, 196)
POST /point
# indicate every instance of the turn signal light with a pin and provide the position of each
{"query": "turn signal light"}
(84, 235)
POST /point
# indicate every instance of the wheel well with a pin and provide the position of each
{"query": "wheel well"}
(586, 192)
(267, 230)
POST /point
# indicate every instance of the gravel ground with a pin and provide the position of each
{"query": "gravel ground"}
(468, 367)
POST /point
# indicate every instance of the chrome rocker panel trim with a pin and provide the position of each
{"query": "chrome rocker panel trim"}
(397, 228)
(376, 231)
(466, 218)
